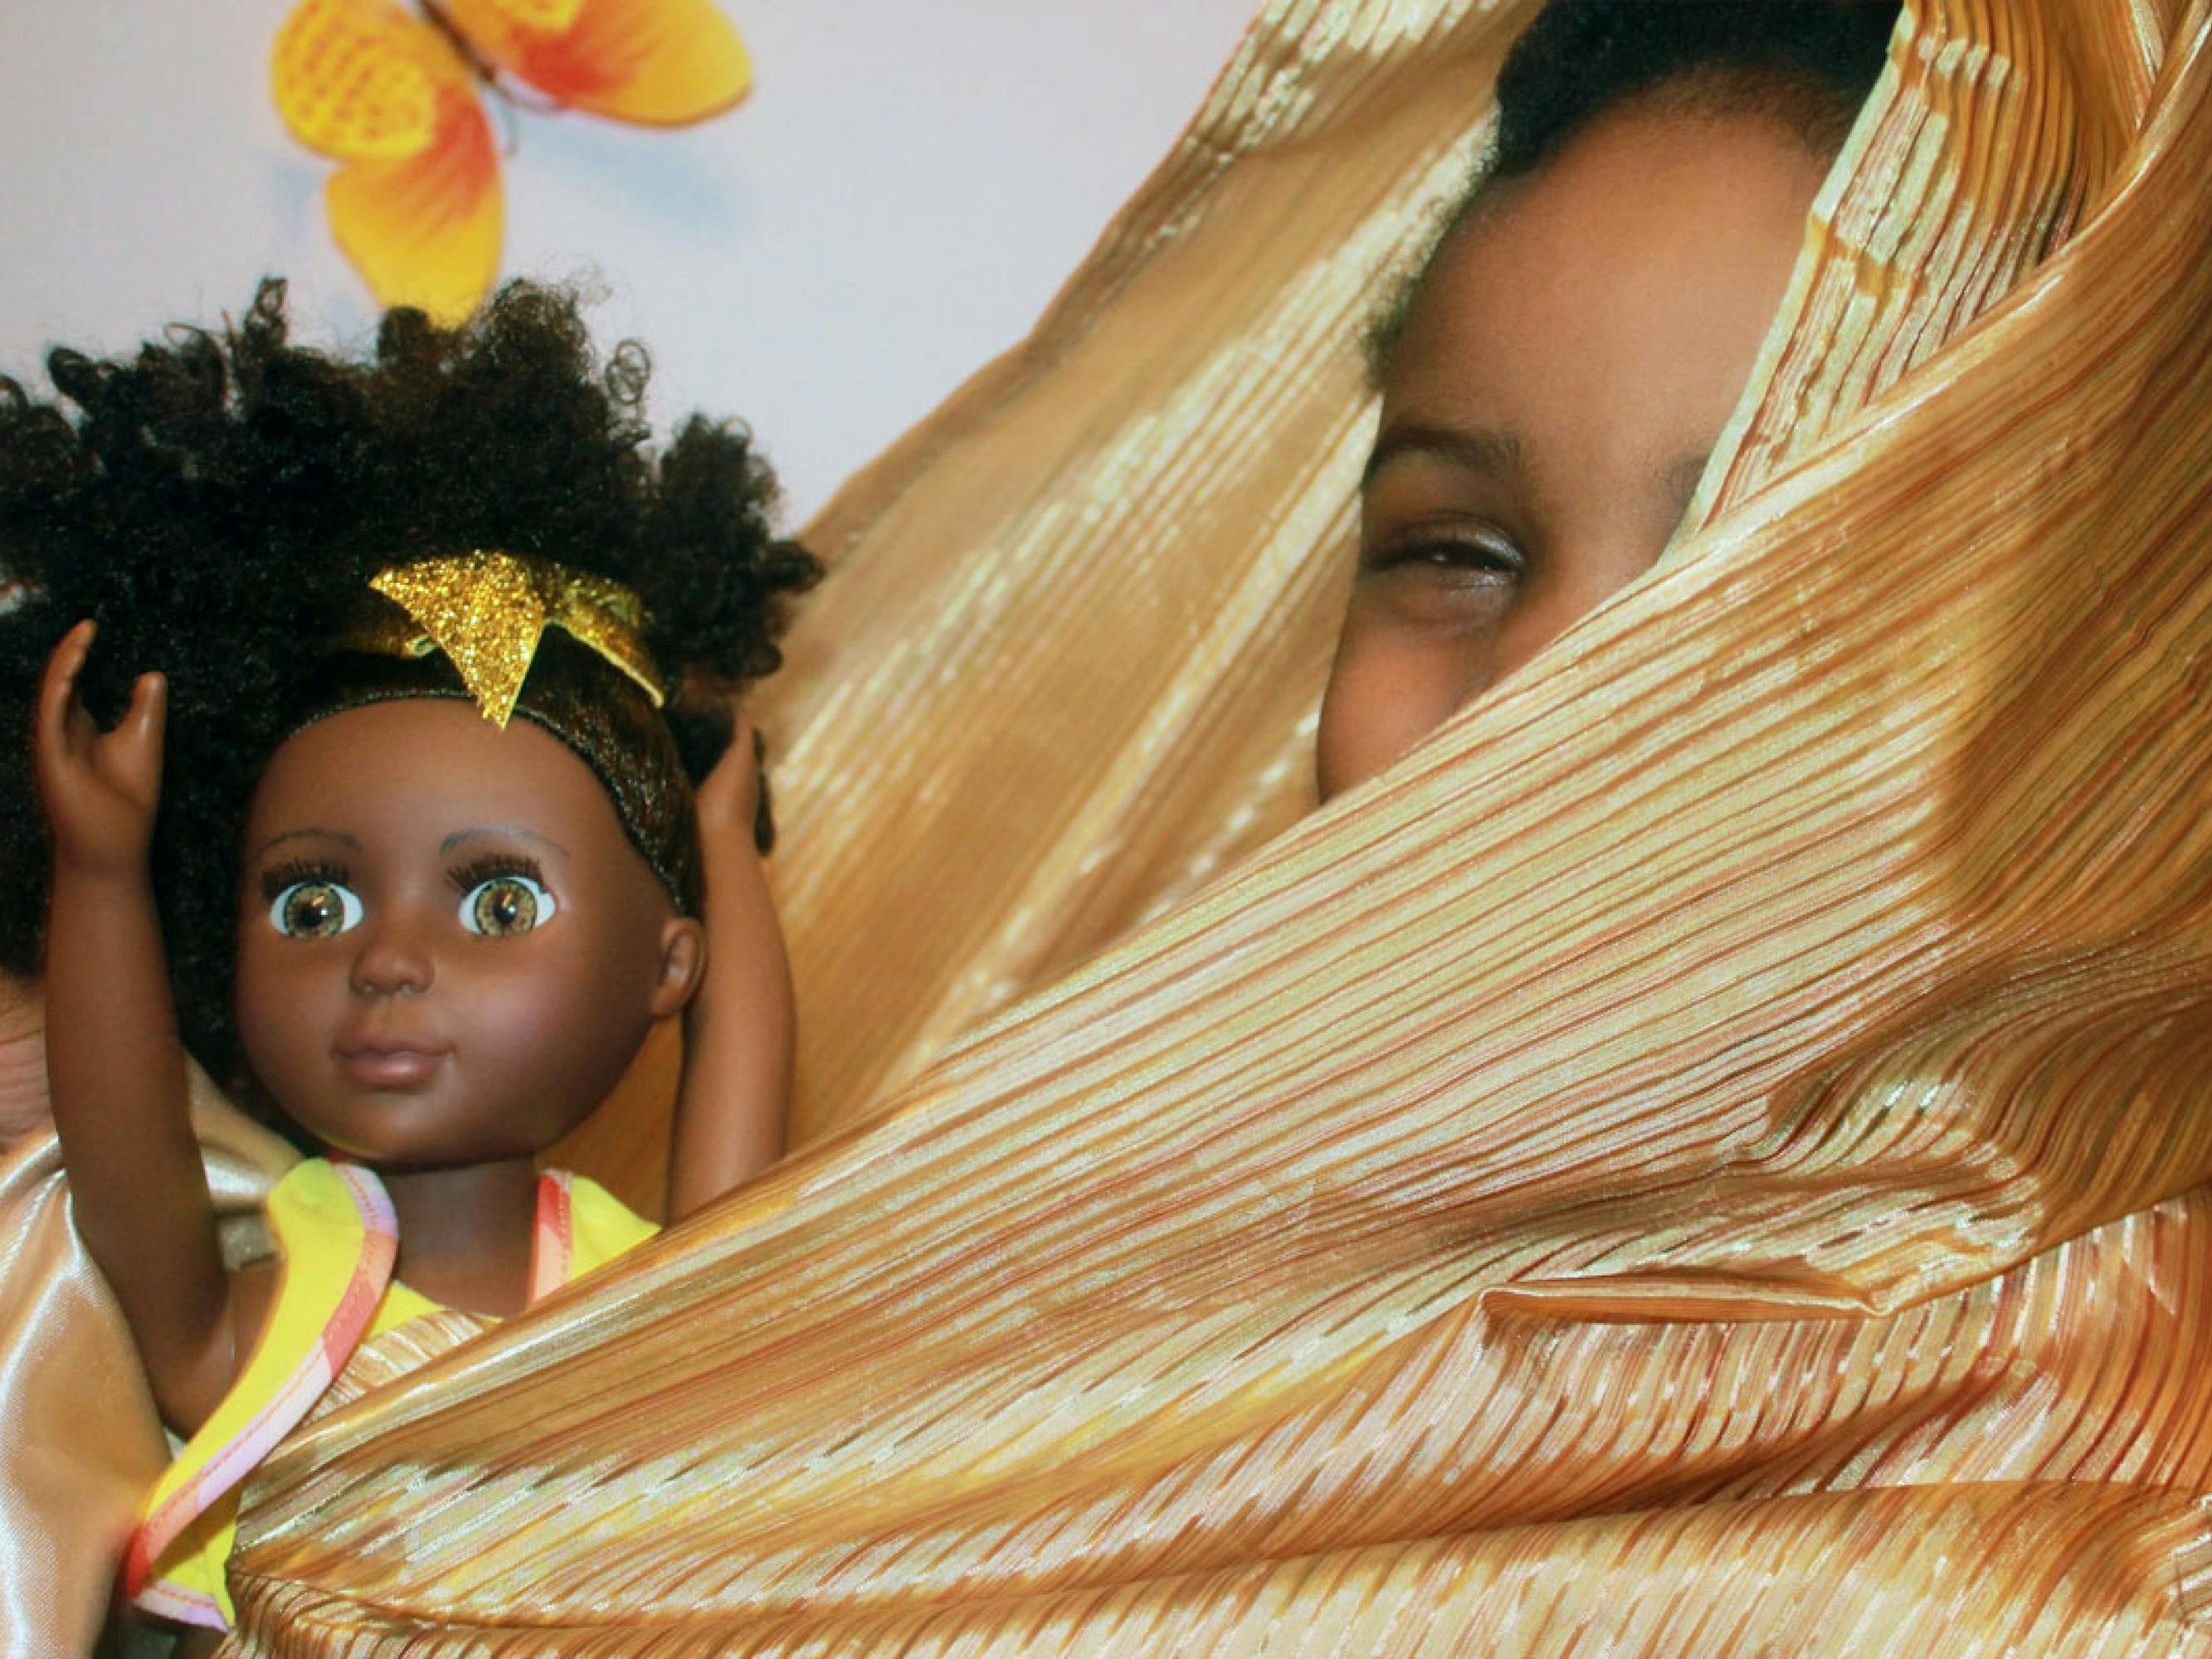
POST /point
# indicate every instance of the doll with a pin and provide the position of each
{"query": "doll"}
(366, 702)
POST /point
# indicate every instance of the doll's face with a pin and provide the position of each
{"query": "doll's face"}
(1562, 377)
(448, 951)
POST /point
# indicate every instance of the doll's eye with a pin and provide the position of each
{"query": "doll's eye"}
(507, 904)
(315, 908)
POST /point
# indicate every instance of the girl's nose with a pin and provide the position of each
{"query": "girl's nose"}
(389, 962)
(1585, 570)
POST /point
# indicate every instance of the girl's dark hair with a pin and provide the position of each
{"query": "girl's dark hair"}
(1806, 64)
(218, 502)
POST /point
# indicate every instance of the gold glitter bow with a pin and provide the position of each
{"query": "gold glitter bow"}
(487, 610)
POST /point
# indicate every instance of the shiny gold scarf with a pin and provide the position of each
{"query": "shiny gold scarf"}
(1702, 1158)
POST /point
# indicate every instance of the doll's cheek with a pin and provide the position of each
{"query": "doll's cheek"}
(558, 1043)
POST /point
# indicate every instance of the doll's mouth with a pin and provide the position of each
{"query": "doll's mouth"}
(376, 1063)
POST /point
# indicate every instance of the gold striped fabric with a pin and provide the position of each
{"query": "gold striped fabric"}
(1703, 1156)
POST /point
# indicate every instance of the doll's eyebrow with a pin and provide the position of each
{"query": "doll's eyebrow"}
(311, 833)
(492, 831)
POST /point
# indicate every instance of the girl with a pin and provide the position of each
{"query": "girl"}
(289, 822)
(1558, 369)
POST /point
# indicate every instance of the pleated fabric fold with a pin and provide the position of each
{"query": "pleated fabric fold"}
(1705, 1155)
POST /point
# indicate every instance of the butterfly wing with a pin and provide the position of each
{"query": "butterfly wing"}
(416, 206)
(653, 62)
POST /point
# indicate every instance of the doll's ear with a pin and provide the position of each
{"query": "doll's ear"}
(683, 964)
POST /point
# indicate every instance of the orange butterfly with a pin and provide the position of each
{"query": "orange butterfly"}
(394, 96)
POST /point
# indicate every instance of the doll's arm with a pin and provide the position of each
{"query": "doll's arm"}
(738, 1031)
(114, 1064)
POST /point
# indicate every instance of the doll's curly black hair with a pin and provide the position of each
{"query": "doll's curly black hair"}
(218, 502)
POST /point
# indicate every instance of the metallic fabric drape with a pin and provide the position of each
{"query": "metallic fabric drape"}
(1705, 1156)
(82, 1442)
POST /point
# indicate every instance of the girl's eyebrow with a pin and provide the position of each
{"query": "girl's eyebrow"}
(490, 831)
(1477, 449)
(311, 833)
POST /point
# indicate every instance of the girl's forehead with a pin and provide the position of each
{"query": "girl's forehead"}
(1645, 197)
(1616, 289)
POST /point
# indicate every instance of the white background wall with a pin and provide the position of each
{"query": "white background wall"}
(905, 187)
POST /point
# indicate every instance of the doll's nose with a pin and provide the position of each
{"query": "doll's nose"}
(389, 962)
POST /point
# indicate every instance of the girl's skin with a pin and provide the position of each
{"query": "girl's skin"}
(448, 953)
(1563, 375)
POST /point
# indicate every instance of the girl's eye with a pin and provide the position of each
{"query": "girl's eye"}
(501, 905)
(315, 908)
(1473, 556)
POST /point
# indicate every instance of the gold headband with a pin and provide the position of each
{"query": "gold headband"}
(487, 611)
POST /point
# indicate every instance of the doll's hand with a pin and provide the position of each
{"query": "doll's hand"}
(100, 788)
(736, 1091)
(729, 799)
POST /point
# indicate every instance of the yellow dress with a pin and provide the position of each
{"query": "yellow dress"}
(333, 1227)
